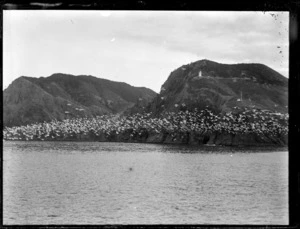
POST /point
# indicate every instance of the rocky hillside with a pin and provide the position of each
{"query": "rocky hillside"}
(221, 88)
(60, 96)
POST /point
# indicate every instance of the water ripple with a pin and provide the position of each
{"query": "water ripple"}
(117, 183)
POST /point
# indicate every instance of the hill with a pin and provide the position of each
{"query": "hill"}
(221, 88)
(202, 103)
(28, 100)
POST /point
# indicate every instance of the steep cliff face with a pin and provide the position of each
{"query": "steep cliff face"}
(221, 87)
(28, 100)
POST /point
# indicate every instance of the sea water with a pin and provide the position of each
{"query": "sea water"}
(128, 183)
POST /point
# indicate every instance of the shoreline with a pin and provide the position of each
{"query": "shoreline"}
(239, 145)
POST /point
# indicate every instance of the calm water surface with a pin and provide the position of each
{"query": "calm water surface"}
(124, 183)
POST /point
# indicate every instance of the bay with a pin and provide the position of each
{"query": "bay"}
(132, 183)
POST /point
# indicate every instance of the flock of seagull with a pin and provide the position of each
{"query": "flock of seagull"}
(240, 121)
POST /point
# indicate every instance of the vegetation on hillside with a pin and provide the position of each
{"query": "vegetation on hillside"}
(60, 96)
(222, 87)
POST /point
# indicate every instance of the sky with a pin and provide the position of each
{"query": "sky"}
(140, 48)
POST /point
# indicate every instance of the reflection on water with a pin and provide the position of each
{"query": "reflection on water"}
(124, 183)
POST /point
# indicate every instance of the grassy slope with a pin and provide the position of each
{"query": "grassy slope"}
(29, 100)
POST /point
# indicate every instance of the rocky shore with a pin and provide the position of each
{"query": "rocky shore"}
(213, 139)
(194, 139)
(217, 139)
(244, 128)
